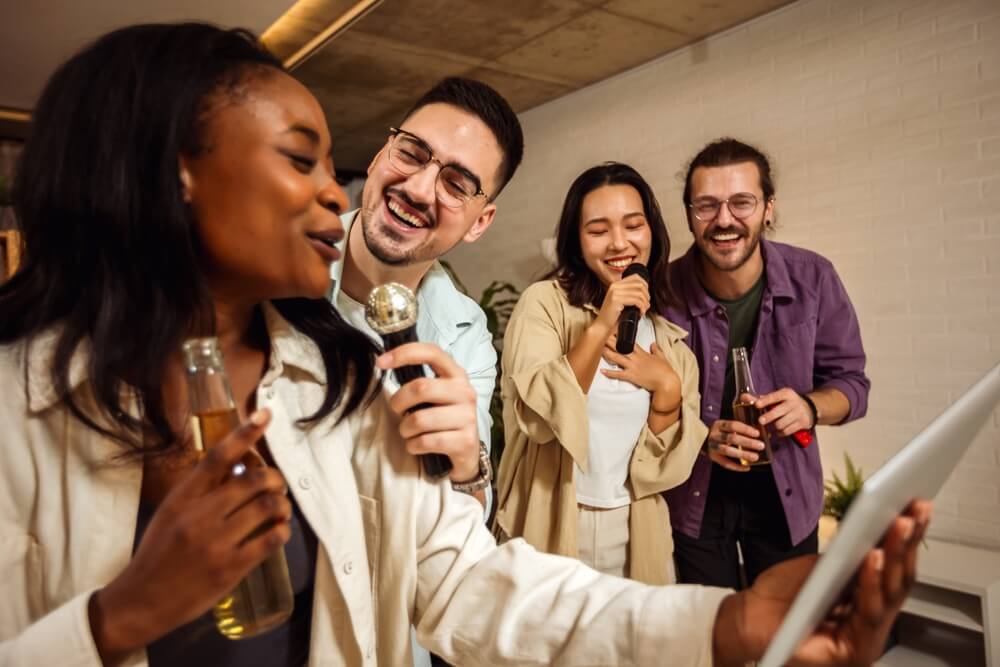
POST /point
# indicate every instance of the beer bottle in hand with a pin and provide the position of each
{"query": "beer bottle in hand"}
(743, 404)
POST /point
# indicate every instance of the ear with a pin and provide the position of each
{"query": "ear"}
(187, 179)
(769, 209)
(481, 224)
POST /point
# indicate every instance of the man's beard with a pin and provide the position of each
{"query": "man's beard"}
(381, 252)
(724, 265)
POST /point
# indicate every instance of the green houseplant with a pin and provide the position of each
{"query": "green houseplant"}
(840, 493)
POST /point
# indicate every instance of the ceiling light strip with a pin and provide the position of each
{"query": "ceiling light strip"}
(15, 115)
(342, 23)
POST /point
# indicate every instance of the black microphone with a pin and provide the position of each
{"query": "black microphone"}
(628, 321)
(392, 312)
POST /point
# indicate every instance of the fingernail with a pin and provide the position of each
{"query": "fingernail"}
(907, 530)
(384, 360)
(879, 560)
(259, 417)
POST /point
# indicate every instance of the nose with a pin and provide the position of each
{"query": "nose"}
(618, 240)
(421, 186)
(725, 216)
(333, 197)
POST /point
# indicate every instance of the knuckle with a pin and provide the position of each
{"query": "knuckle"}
(268, 503)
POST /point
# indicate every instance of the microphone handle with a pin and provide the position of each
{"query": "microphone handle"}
(628, 326)
(435, 465)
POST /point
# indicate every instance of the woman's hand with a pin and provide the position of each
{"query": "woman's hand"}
(649, 370)
(631, 291)
(206, 535)
(733, 445)
(853, 634)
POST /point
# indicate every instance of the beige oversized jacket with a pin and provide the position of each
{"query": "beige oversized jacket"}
(394, 547)
(546, 431)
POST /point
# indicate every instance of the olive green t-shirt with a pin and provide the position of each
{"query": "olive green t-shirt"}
(742, 314)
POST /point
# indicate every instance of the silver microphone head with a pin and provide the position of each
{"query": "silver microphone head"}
(391, 307)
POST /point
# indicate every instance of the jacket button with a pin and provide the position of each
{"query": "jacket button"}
(697, 493)
(788, 492)
(305, 483)
(348, 567)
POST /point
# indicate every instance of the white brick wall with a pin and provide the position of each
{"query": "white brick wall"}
(882, 118)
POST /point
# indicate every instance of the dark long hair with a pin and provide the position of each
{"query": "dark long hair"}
(110, 251)
(582, 287)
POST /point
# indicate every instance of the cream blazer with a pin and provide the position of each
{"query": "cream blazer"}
(395, 548)
(546, 431)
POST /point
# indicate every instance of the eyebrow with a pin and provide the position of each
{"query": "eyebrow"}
(310, 134)
(633, 214)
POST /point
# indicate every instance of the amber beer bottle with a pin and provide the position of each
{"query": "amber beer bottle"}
(264, 599)
(743, 404)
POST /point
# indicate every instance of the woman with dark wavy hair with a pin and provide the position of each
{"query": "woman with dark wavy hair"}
(178, 183)
(593, 436)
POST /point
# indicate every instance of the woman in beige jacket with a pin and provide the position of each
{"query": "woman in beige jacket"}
(593, 437)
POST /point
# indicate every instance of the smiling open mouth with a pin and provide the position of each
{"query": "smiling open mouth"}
(619, 262)
(404, 216)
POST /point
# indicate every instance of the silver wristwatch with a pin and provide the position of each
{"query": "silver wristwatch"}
(484, 478)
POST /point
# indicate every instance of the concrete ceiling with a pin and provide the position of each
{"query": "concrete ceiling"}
(36, 36)
(532, 51)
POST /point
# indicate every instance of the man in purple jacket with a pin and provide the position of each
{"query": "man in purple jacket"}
(788, 307)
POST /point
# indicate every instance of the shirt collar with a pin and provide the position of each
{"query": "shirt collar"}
(289, 347)
(700, 302)
(778, 280)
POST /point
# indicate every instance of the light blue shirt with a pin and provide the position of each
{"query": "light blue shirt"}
(447, 318)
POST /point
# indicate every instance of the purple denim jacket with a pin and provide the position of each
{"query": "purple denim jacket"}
(807, 337)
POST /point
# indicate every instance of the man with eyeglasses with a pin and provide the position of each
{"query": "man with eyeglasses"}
(789, 308)
(431, 187)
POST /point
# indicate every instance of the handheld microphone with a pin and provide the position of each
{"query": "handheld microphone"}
(392, 312)
(628, 321)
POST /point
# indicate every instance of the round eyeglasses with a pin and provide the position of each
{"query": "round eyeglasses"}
(455, 185)
(706, 209)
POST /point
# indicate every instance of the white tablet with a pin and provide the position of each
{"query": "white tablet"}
(917, 471)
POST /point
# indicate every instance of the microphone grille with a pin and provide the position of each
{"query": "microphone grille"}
(636, 268)
(391, 308)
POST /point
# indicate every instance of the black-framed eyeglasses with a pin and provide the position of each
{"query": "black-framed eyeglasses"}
(455, 185)
(741, 206)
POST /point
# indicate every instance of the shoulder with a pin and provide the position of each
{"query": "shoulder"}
(13, 371)
(545, 295)
(801, 262)
(446, 305)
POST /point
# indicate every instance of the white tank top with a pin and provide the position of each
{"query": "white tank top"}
(616, 412)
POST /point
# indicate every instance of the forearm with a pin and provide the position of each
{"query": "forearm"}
(728, 644)
(831, 404)
(585, 356)
(663, 412)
